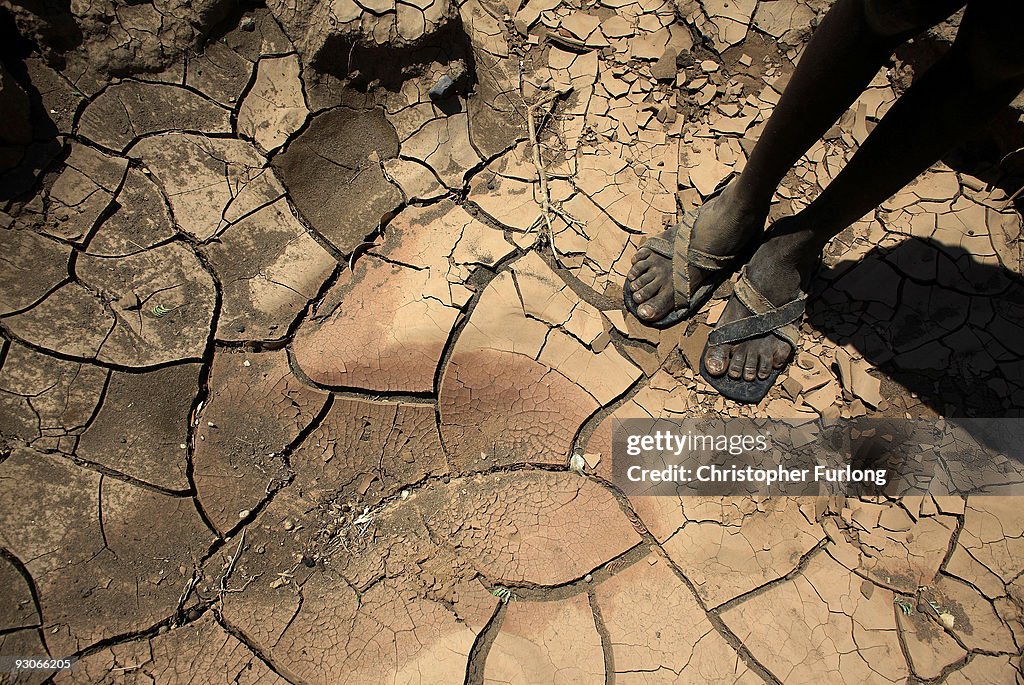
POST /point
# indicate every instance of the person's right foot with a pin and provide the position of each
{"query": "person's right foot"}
(724, 225)
(779, 270)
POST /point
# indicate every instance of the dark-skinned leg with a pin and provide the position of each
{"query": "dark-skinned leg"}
(979, 76)
(844, 54)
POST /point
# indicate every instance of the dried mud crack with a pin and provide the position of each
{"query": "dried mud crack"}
(311, 342)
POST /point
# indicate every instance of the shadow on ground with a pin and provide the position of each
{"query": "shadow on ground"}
(935, 319)
(28, 138)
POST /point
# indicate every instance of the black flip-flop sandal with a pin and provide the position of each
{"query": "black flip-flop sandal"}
(682, 256)
(765, 319)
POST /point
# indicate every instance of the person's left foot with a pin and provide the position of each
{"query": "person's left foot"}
(779, 268)
(723, 226)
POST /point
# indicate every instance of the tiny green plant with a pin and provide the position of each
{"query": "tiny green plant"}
(160, 311)
(905, 604)
(503, 593)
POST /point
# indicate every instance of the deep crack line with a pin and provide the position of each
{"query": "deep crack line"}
(477, 661)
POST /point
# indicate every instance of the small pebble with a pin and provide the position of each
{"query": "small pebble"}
(244, 513)
(577, 463)
(442, 88)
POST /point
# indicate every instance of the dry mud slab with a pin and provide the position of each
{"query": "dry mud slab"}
(296, 356)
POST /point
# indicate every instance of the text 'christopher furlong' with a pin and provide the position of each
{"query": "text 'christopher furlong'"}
(711, 473)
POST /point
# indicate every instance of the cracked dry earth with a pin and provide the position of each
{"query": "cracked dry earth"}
(292, 371)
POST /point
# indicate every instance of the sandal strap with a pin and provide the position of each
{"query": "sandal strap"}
(680, 265)
(659, 246)
(765, 317)
(708, 261)
(749, 296)
(684, 256)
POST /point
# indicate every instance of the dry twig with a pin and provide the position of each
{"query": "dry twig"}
(231, 566)
(548, 209)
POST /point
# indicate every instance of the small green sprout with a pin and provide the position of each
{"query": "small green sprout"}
(905, 604)
(503, 593)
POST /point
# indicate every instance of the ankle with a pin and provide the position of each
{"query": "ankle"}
(796, 244)
(748, 197)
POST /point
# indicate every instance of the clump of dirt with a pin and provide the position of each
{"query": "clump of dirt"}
(333, 173)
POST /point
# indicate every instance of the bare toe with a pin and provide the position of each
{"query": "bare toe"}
(658, 306)
(641, 281)
(640, 267)
(717, 359)
(739, 359)
(648, 292)
(641, 254)
(751, 363)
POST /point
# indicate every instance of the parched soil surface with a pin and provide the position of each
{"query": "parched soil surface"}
(295, 362)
